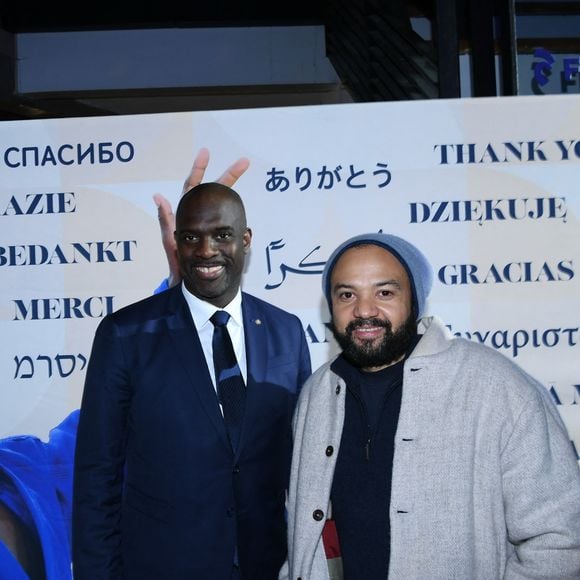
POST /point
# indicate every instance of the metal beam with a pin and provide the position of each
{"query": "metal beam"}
(447, 47)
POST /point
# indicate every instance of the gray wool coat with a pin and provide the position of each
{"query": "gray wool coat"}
(485, 483)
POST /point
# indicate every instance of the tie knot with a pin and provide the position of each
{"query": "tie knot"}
(220, 318)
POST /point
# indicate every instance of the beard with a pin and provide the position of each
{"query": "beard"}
(365, 354)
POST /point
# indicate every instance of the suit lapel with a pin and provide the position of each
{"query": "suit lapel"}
(188, 348)
(256, 337)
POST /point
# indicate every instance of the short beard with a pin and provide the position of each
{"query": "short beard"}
(392, 347)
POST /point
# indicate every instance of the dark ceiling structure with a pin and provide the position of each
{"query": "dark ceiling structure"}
(370, 43)
(19, 17)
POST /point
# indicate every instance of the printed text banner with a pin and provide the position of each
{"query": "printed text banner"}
(487, 188)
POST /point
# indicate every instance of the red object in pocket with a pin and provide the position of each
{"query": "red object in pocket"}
(330, 540)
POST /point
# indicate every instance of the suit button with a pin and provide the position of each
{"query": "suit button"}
(318, 515)
(337, 389)
(329, 450)
(236, 469)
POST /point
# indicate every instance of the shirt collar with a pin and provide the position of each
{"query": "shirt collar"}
(202, 311)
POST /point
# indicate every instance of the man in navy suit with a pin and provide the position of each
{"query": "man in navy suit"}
(158, 491)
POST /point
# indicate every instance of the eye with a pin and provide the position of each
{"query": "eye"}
(386, 293)
(224, 236)
(189, 238)
(346, 295)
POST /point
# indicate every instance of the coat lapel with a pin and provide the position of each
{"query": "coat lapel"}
(256, 337)
(188, 349)
(255, 333)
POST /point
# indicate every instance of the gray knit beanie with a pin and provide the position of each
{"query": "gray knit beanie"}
(415, 263)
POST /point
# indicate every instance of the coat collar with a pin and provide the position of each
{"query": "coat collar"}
(435, 337)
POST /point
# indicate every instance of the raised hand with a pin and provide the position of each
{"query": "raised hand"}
(165, 212)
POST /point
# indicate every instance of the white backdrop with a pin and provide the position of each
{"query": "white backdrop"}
(489, 189)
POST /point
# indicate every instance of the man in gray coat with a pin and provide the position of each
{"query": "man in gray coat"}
(440, 457)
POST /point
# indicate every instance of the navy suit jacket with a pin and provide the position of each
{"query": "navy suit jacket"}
(158, 491)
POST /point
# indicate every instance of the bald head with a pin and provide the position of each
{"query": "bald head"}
(217, 192)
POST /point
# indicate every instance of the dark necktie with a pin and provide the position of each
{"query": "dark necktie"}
(229, 381)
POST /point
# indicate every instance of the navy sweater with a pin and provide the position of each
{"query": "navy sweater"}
(361, 488)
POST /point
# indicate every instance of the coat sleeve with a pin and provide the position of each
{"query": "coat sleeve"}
(541, 495)
(99, 459)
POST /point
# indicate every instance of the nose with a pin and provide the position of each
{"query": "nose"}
(206, 247)
(365, 307)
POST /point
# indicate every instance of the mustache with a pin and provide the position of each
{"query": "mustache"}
(368, 323)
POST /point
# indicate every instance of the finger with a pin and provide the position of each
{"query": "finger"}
(197, 170)
(234, 171)
(165, 215)
(167, 227)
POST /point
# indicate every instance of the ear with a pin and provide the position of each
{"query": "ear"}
(247, 240)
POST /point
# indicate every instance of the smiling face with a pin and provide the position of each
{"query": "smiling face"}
(212, 242)
(372, 317)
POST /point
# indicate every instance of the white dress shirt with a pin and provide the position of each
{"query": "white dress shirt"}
(201, 312)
